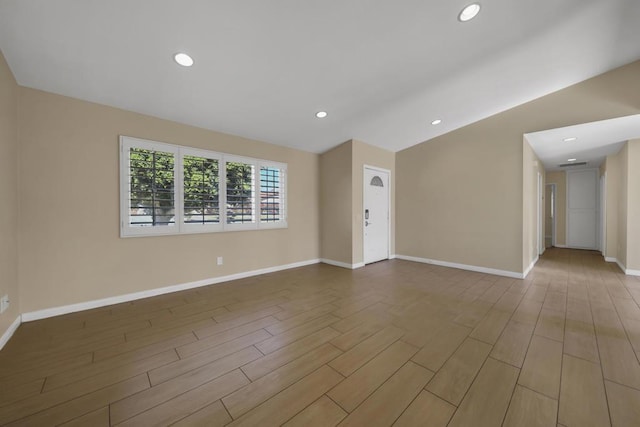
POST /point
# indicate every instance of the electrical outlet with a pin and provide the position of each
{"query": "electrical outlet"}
(220, 261)
(4, 303)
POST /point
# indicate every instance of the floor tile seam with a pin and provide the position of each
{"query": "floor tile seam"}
(305, 323)
(173, 396)
(209, 362)
(295, 358)
(600, 364)
(224, 342)
(128, 362)
(475, 377)
(284, 389)
(76, 397)
(383, 383)
(626, 332)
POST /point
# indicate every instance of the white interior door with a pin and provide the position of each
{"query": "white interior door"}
(582, 209)
(376, 215)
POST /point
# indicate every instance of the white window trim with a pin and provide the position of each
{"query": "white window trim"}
(126, 230)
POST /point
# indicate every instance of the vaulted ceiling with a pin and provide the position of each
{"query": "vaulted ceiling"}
(382, 70)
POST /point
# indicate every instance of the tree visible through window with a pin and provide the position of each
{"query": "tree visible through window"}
(171, 189)
(201, 190)
(151, 187)
(240, 192)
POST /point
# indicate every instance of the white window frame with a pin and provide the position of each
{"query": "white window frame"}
(127, 230)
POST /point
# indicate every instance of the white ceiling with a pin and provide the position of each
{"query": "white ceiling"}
(382, 69)
(594, 141)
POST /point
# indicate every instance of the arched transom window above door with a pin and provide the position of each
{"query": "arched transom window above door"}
(376, 181)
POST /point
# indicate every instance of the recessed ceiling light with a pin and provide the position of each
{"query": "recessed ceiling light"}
(436, 122)
(321, 114)
(469, 12)
(183, 59)
(571, 160)
(571, 138)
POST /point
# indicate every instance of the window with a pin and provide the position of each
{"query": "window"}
(376, 181)
(271, 194)
(241, 196)
(169, 189)
(201, 190)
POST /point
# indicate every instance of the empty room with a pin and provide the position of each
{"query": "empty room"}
(365, 213)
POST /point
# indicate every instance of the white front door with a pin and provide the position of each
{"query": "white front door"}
(582, 209)
(376, 215)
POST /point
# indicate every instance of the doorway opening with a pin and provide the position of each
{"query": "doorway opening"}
(550, 216)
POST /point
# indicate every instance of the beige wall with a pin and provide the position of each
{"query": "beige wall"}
(364, 154)
(341, 171)
(560, 179)
(8, 195)
(70, 246)
(623, 205)
(532, 168)
(460, 197)
(633, 206)
(335, 204)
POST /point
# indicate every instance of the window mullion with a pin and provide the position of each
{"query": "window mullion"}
(256, 194)
(222, 192)
(178, 193)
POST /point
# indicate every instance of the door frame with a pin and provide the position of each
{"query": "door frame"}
(364, 196)
(553, 202)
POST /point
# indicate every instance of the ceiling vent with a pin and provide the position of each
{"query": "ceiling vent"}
(566, 165)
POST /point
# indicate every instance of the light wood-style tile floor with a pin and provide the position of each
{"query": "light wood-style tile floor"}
(394, 343)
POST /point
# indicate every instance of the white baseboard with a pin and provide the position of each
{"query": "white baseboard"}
(57, 311)
(342, 264)
(10, 331)
(528, 270)
(478, 269)
(624, 269)
(560, 246)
